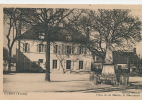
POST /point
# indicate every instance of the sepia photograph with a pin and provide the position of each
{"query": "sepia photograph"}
(72, 50)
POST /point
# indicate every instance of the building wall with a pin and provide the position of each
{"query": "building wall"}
(26, 59)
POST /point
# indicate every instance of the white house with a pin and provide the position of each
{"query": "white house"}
(65, 53)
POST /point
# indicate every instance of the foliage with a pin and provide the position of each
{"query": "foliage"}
(107, 29)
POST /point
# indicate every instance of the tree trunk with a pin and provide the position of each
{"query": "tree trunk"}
(47, 75)
(9, 60)
(62, 67)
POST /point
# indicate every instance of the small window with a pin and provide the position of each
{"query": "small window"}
(81, 50)
(41, 35)
(80, 64)
(85, 50)
(55, 48)
(40, 47)
(68, 49)
(54, 64)
(119, 67)
(26, 47)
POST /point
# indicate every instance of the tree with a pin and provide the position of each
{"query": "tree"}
(12, 20)
(82, 25)
(104, 30)
(117, 28)
(47, 19)
(5, 54)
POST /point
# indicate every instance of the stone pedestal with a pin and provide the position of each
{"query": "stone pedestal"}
(108, 69)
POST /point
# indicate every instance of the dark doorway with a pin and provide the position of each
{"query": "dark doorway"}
(68, 64)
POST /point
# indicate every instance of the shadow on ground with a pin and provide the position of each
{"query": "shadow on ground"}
(68, 81)
(132, 85)
(9, 73)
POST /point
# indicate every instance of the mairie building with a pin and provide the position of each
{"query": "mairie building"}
(66, 52)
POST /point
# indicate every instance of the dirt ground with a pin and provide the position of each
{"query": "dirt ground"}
(35, 82)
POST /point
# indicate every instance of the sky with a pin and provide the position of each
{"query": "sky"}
(138, 13)
(134, 12)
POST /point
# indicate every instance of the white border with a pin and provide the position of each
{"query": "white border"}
(70, 1)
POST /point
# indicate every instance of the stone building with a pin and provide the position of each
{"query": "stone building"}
(66, 52)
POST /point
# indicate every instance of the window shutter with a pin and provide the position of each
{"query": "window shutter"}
(59, 49)
(54, 47)
(72, 49)
(63, 48)
(37, 47)
(28, 47)
(45, 46)
(23, 47)
(78, 49)
(75, 50)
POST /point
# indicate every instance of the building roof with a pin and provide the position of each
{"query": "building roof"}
(123, 57)
(57, 34)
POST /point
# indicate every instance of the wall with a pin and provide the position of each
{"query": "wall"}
(33, 56)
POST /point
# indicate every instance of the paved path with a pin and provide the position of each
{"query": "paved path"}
(34, 82)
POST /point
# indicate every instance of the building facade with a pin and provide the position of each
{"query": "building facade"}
(67, 55)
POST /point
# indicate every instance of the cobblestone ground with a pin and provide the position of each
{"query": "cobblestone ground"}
(34, 82)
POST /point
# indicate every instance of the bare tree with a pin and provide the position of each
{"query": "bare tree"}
(61, 58)
(104, 30)
(12, 21)
(47, 19)
(82, 25)
(116, 28)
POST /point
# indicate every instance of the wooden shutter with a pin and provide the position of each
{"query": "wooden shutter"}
(45, 46)
(63, 48)
(28, 47)
(78, 49)
(73, 49)
(37, 47)
(23, 47)
(59, 49)
(54, 47)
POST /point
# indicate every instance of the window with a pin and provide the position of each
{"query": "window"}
(68, 49)
(55, 48)
(80, 64)
(73, 49)
(41, 35)
(85, 51)
(81, 50)
(26, 47)
(68, 64)
(54, 64)
(119, 66)
(40, 47)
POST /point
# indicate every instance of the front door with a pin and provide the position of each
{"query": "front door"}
(68, 64)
